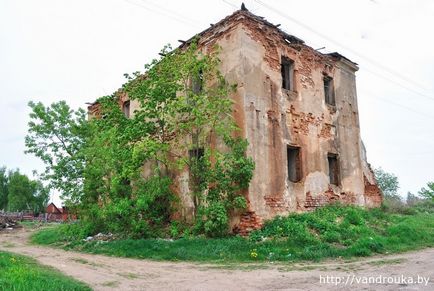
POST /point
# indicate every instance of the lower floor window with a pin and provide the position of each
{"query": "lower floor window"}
(333, 168)
(294, 163)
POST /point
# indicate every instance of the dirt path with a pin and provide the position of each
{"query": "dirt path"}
(110, 273)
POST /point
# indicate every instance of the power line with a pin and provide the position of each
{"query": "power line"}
(279, 12)
(230, 4)
(397, 104)
(398, 84)
(161, 13)
(177, 15)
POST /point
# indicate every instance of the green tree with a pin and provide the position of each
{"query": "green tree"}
(57, 135)
(427, 193)
(388, 184)
(20, 192)
(3, 188)
(25, 194)
(41, 195)
(184, 114)
(412, 199)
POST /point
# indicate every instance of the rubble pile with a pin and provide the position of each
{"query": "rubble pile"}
(7, 223)
(101, 237)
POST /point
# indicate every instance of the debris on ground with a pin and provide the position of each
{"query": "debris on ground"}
(7, 223)
(100, 237)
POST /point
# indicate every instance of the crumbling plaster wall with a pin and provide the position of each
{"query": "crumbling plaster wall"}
(272, 118)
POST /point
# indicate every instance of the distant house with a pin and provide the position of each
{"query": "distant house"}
(53, 213)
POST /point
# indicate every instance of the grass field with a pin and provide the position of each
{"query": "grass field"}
(329, 232)
(19, 273)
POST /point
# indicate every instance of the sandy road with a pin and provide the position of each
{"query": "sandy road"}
(110, 273)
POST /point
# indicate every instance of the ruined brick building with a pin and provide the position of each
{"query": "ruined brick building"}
(297, 108)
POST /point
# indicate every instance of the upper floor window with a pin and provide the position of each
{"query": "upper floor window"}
(196, 153)
(126, 109)
(287, 70)
(197, 82)
(197, 165)
(329, 92)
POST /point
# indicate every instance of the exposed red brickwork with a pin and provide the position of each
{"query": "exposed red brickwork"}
(249, 221)
(305, 68)
(94, 110)
(373, 195)
(301, 122)
(327, 131)
(277, 203)
(268, 40)
(314, 202)
(272, 40)
(327, 197)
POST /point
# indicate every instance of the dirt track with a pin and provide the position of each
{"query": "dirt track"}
(109, 273)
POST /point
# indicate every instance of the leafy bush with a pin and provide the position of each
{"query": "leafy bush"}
(219, 186)
(144, 215)
(216, 223)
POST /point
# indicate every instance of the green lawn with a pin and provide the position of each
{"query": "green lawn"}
(19, 273)
(329, 232)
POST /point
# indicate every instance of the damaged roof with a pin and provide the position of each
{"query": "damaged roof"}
(245, 12)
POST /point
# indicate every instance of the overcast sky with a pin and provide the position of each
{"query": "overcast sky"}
(78, 50)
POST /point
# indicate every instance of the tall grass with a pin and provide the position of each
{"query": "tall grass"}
(329, 232)
(19, 273)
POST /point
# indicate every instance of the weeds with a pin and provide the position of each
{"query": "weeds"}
(329, 232)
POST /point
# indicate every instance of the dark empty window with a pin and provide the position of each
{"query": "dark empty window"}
(197, 82)
(294, 163)
(329, 92)
(196, 154)
(287, 70)
(333, 168)
(126, 109)
(197, 167)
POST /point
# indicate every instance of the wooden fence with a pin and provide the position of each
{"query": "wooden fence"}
(29, 216)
